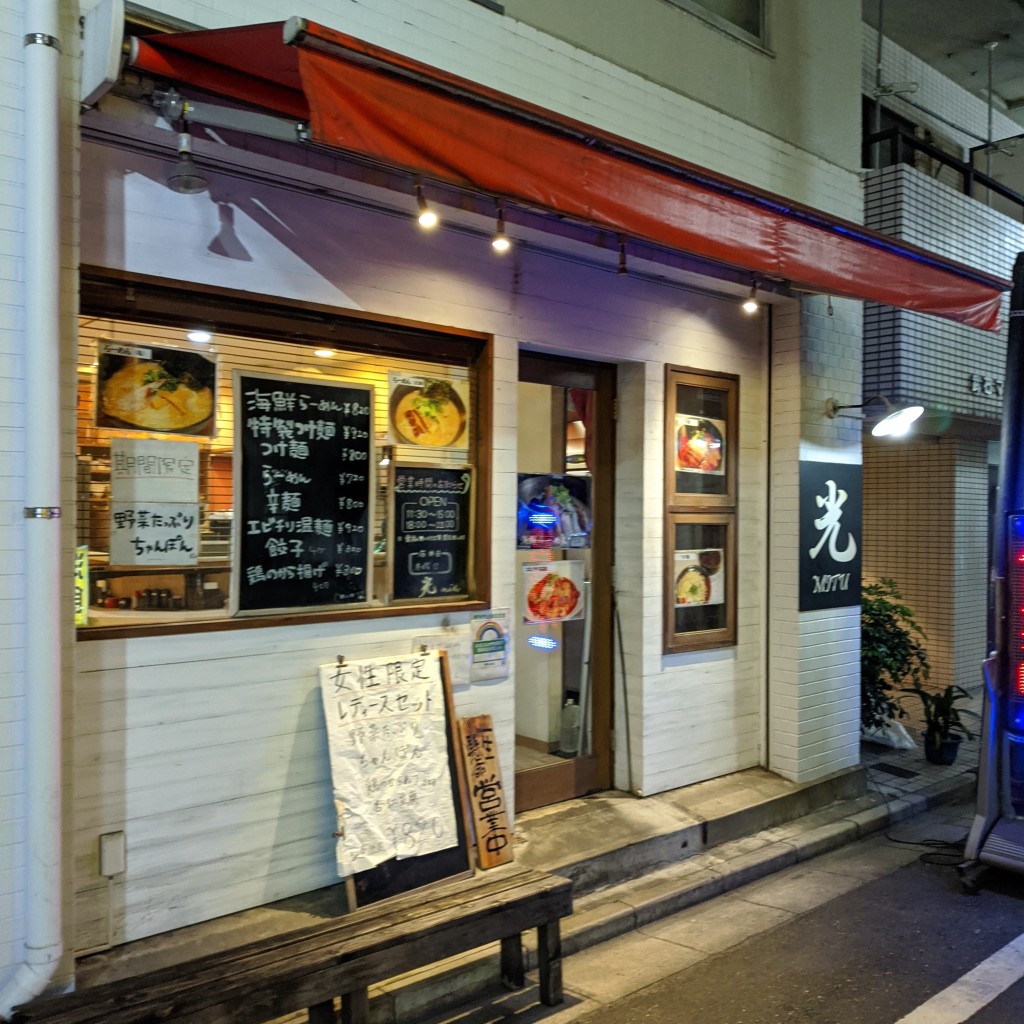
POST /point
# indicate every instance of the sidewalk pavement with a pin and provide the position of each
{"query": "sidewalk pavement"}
(899, 786)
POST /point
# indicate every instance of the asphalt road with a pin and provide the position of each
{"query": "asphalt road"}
(869, 934)
(871, 956)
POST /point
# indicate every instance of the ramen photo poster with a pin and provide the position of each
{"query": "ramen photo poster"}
(430, 412)
(162, 390)
(553, 591)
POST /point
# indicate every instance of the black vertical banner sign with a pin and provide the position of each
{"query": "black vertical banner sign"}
(830, 534)
(303, 486)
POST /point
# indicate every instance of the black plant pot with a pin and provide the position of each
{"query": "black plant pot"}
(941, 751)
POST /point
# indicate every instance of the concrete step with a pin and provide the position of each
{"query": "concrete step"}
(607, 838)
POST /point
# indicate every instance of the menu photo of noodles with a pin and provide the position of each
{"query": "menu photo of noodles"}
(553, 591)
(431, 412)
(161, 390)
(699, 577)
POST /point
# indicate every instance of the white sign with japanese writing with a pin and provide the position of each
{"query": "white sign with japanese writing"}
(142, 469)
(154, 533)
(388, 744)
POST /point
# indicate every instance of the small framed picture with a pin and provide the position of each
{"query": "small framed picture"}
(701, 439)
(700, 581)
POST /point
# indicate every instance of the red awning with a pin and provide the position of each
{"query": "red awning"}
(373, 103)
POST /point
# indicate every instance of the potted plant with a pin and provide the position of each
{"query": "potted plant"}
(942, 718)
(891, 654)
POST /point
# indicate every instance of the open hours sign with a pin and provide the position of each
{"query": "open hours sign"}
(431, 517)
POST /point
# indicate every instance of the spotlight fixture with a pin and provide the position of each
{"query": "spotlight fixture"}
(751, 305)
(199, 337)
(623, 269)
(324, 353)
(500, 242)
(427, 218)
(386, 454)
(186, 179)
(896, 422)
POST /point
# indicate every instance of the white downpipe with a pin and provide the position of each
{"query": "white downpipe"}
(43, 613)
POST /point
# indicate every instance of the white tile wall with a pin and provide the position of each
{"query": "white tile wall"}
(814, 657)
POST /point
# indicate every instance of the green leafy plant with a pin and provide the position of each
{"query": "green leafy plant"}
(892, 653)
(942, 717)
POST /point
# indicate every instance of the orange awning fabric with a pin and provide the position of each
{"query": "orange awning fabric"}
(372, 103)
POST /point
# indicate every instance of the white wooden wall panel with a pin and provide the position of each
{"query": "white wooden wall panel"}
(208, 751)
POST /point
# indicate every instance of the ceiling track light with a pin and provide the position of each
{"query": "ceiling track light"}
(426, 217)
(750, 304)
(623, 269)
(896, 422)
(186, 179)
(500, 242)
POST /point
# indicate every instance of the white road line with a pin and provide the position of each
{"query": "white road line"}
(977, 988)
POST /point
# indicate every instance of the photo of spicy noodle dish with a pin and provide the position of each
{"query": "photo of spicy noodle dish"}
(553, 591)
(700, 445)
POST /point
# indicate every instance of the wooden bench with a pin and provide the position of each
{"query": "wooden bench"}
(307, 969)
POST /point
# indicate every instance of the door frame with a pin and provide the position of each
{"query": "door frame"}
(538, 787)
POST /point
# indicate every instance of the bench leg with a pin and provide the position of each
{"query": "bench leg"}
(512, 973)
(549, 963)
(355, 1007)
(323, 1013)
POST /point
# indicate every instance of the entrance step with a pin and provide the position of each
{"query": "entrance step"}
(608, 838)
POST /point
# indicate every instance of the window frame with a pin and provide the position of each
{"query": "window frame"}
(698, 10)
(151, 300)
(682, 507)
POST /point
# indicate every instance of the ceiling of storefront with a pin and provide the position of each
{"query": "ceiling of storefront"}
(951, 36)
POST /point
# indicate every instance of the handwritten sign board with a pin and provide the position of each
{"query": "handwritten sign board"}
(303, 477)
(431, 524)
(387, 737)
(486, 792)
(154, 533)
(150, 470)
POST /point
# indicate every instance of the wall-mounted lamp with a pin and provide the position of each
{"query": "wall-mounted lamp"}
(750, 304)
(896, 422)
(387, 452)
(426, 217)
(500, 242)
(186, 178)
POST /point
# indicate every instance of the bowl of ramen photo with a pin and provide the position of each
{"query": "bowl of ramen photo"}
(157, 395)
(693, 586)
(431, 414)
(551, 598)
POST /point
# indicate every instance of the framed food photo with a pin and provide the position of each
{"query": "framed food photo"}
(700, 582)
(428, 412)
(156, 389)
(701, 438)
(553, 591)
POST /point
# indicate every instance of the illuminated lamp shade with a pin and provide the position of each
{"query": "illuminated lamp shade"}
(500, 242)
(750, 304)
(896, 422)
(425, 217)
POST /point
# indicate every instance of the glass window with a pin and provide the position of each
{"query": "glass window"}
(743, 18)
(701, 455)
(316, 471)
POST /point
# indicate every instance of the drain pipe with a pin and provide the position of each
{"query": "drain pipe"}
(43, 612)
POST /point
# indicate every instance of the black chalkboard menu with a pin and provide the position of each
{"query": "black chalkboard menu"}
(304, 493)
(431, 527)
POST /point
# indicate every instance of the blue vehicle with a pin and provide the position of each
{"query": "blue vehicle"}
(997, 833)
